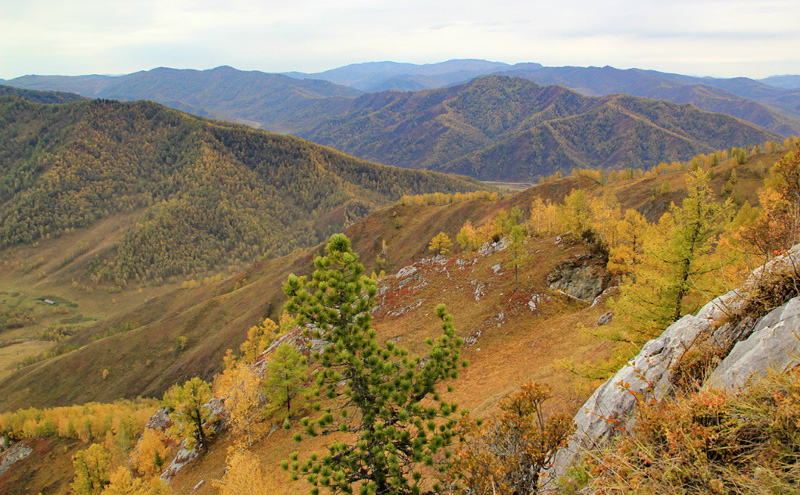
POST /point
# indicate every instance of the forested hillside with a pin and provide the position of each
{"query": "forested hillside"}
(54, 97)
(271, 101)
(204, 194)
(501, 128)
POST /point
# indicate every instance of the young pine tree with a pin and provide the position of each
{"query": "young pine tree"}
(386, 400)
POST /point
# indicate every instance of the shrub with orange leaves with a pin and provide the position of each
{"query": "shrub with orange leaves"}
(507, 453)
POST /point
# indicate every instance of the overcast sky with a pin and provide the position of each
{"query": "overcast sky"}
(699, 37)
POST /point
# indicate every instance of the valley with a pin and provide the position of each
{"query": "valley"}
(143, 248)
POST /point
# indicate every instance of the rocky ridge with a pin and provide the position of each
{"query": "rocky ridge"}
(771, 342)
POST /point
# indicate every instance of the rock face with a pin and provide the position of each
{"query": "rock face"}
(774, 344)
(608, 411)
(771, 342)
(13, 455)
(584, 277)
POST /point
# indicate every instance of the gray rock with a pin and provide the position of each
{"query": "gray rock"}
(160, 420)
(584, 277)
(605, 319)
(13, 455)
(184, 457)
(406, 271)
(608, 412)
(774, 344)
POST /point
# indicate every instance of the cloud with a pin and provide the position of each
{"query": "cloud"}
(82, 36)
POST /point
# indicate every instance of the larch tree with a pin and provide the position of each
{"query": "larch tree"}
(441, 244)
(287, 374)
(385, 401)
(516, 255)
(92, 470)
(243, 475)
(676, 258)
(188, 412)
(150, 453)
(240, 389)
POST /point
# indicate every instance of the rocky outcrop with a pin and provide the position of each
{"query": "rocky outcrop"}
(774, 344)
(584, 277)
(771, 342)
(609, 410)
(13, 455)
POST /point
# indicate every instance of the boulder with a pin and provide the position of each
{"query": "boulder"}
(584, 277)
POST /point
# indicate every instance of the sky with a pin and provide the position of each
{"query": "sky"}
(721, 38)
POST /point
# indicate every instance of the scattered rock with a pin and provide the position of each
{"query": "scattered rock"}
(537, 300)
(493, 247)
(605, 319)
(406, 309)
(13, 455)
(184, 457)
(479, 292)
(496, 268)
(198, 485)
(406, 271)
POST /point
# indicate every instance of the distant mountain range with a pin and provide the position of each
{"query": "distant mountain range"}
(504, 128)
(271, 101)
(773, 103)
(330, 108)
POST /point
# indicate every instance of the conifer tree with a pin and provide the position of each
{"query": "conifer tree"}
(676, 257)
(91, 470)
(189, 413)
(441, 244)
(516, 255)
(387, 400)
(240, 388)
(286, 375)
(243, 476)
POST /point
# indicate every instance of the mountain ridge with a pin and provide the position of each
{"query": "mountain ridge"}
(454, 129)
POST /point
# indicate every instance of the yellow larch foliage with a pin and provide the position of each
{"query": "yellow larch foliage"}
(243, 475)
(150, 453)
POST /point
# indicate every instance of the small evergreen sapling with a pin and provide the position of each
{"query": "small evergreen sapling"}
(385, 400)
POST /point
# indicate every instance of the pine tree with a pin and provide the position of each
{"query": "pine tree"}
(384, 398)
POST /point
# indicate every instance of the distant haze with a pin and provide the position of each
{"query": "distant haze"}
(699, 37)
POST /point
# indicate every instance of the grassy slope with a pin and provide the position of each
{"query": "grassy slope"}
(523, 347)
